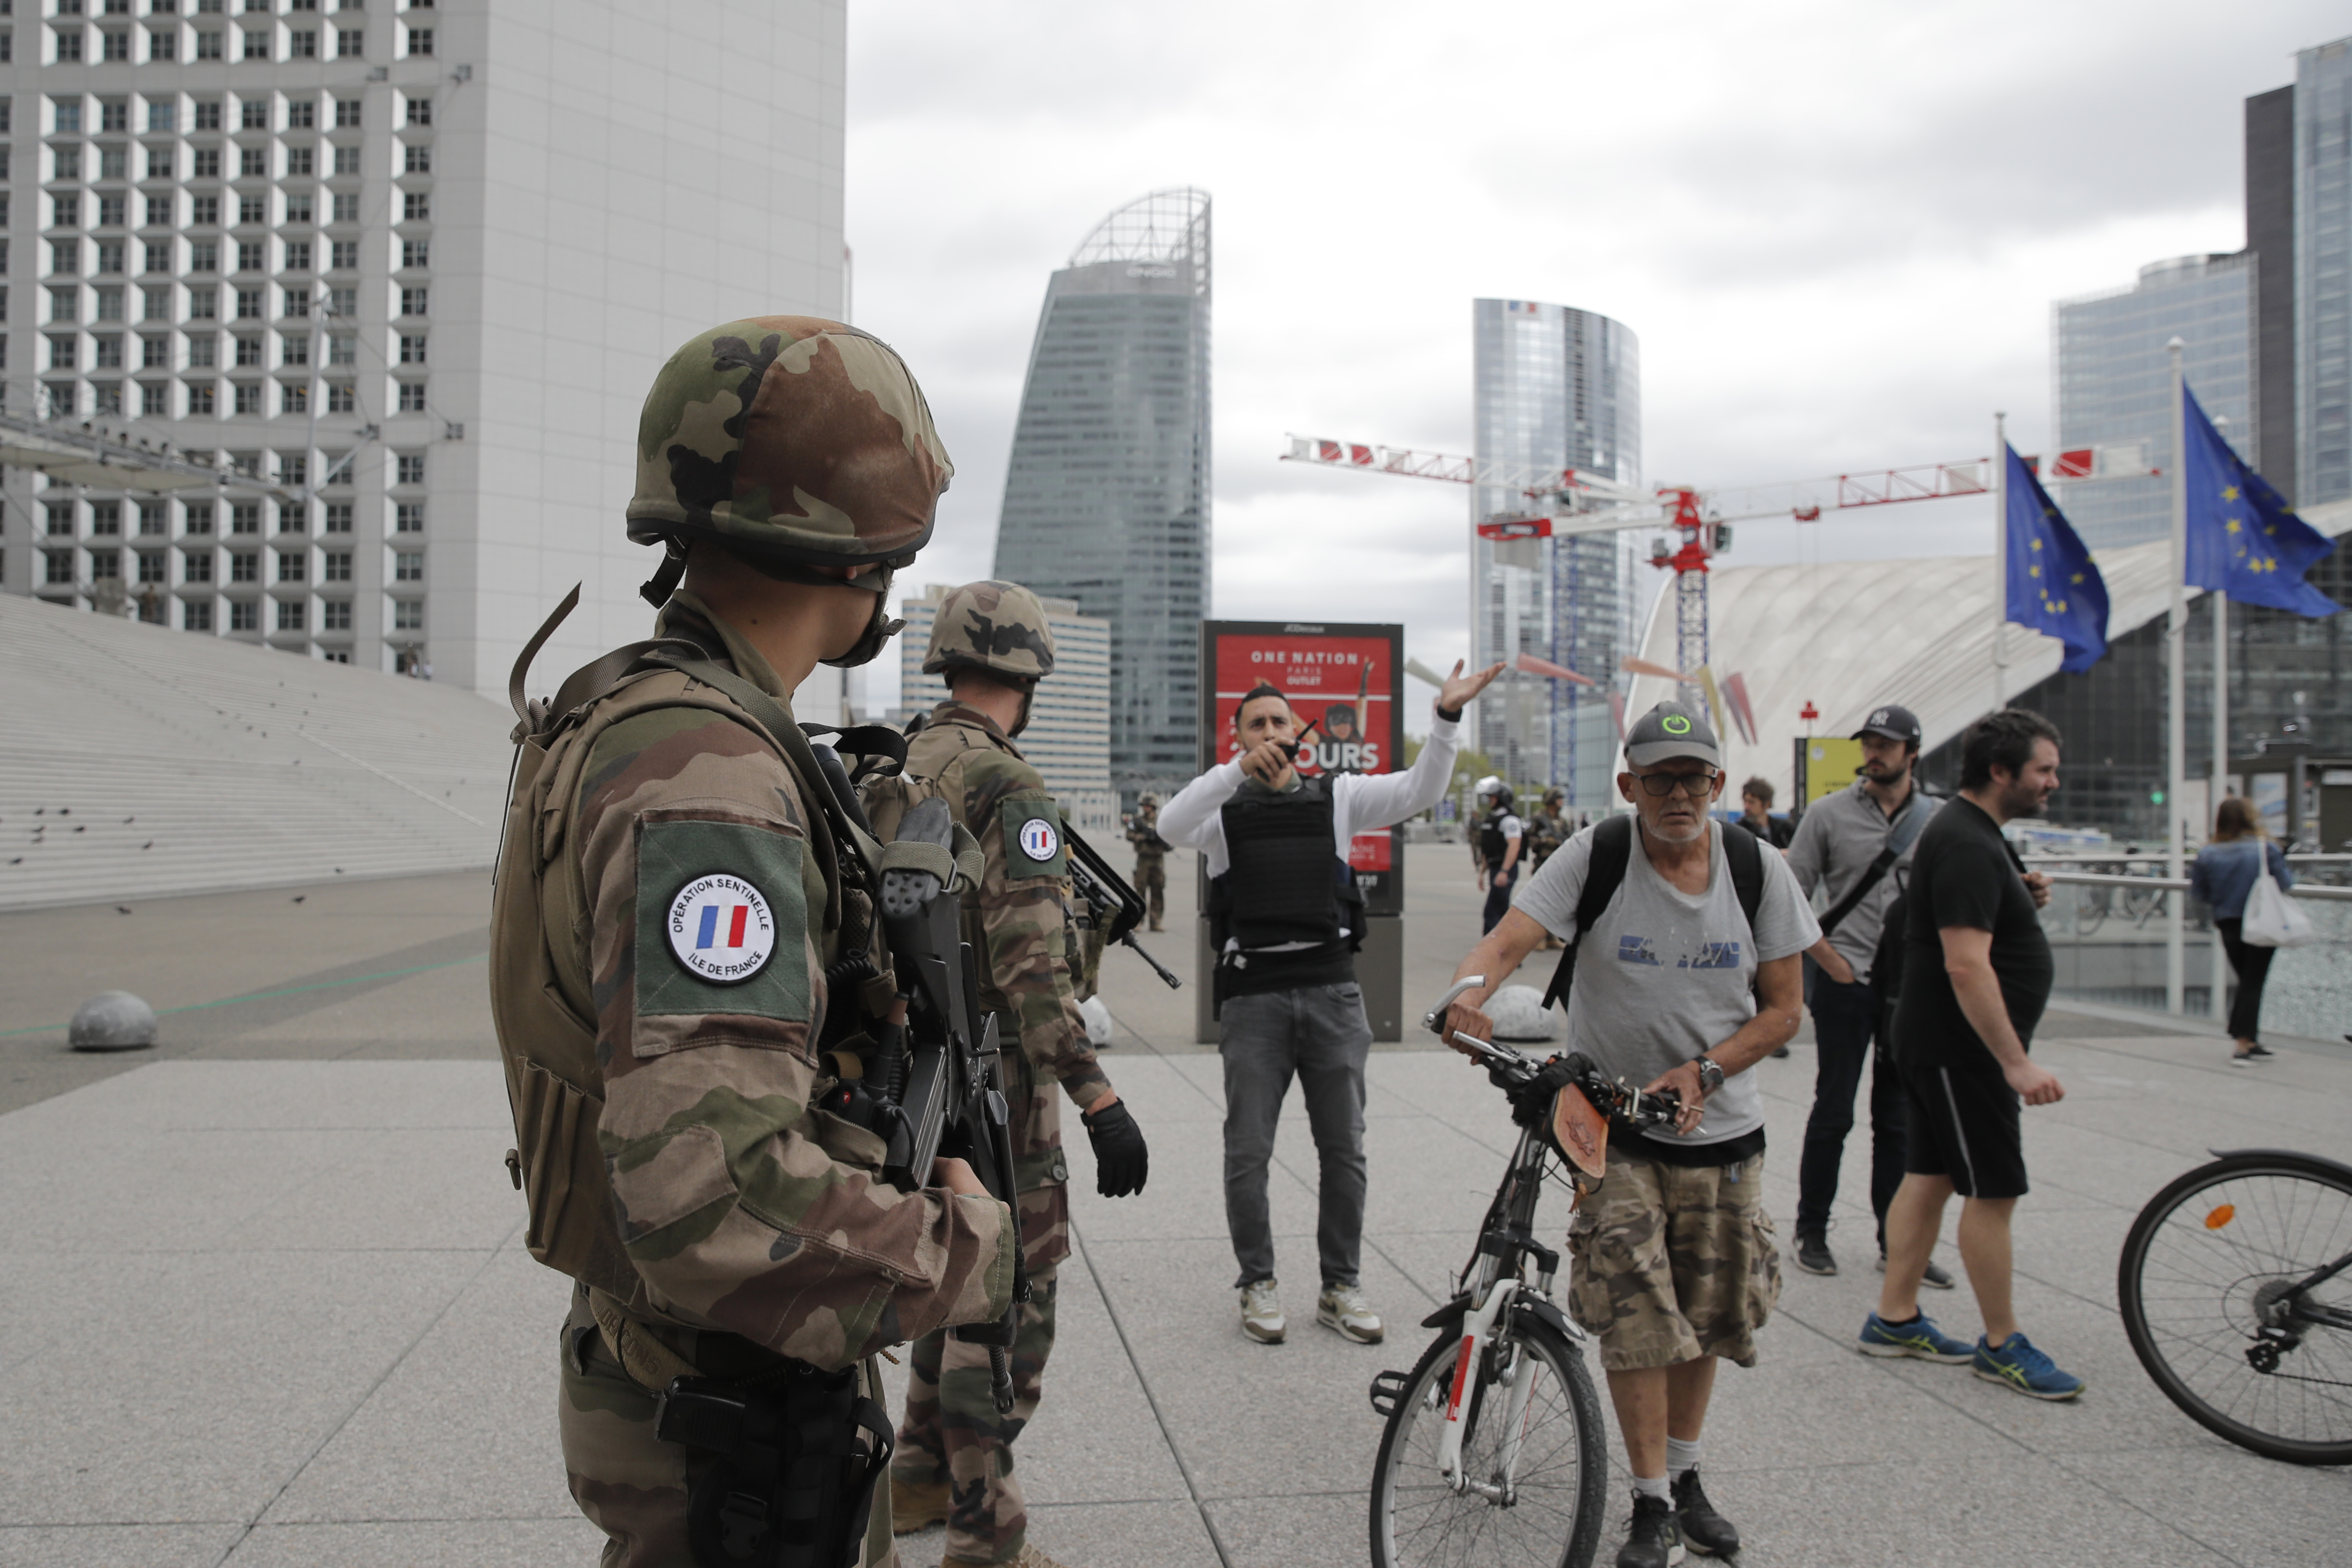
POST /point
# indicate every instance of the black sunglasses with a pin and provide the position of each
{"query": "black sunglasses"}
(1698, 786)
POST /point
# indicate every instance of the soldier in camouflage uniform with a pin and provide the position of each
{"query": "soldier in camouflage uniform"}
(1150, 858)
(670, 901)
(955, 1457)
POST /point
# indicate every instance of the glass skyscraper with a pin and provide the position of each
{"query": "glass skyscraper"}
(2113, 381)
(1107, 497)
(1555, 388)
(2323, 272)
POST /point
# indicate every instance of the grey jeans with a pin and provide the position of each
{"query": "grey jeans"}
(1319, 1034)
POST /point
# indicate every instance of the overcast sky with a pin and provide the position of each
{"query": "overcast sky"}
(1837, 230)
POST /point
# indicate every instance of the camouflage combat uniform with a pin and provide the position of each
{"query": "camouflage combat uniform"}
(1150, 860)
(951, 1433)
(716, 1221)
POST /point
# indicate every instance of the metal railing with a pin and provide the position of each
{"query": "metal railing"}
(2109, 922)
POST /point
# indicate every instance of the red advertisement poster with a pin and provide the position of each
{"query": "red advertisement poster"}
(1344, 683)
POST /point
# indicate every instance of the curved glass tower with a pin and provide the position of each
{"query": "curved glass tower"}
(1556, 387)
(1107, 497)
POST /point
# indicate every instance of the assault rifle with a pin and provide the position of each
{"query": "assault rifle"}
(935, 1086)
(1113, 905)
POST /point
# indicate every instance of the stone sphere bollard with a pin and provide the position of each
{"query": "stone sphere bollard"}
(1520, 1016)
(113, 1021)
(1099, 1021)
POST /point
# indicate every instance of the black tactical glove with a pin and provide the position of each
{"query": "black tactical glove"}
(1121, 1162)
(1531, 1102)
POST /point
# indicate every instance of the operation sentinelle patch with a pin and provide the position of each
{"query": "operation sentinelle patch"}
(722, 921)
(1033, 837)
(1038, 840)
(721, 928)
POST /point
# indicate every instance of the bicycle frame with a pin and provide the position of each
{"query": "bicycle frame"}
(1494, 1287)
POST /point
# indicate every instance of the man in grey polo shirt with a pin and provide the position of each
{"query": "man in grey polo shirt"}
(1856, 846)
(1672, 1266)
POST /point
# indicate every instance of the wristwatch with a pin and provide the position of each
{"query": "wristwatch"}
(1710, 1074)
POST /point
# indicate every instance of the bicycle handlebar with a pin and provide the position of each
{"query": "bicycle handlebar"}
(1618, 1100)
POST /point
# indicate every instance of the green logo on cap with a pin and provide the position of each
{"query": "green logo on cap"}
(1675, 725)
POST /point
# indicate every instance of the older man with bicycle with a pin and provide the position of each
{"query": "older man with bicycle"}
(1690, 977)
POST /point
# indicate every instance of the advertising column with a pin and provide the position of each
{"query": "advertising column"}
(1345, 682)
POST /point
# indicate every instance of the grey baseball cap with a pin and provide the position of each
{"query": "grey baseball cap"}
(1667, 732)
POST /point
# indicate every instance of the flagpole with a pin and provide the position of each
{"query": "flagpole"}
(2000, 561)
(2220, 980)
(2175, 748)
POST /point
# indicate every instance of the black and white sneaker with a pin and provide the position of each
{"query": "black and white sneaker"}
(1813, 1255)
(1706, 1531)
(1651, 1538)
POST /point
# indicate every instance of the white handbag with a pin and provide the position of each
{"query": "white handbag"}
(2271, 919)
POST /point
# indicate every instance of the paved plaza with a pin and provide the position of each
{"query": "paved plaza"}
(268, 1301)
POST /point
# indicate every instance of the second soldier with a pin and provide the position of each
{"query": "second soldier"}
(991, 644)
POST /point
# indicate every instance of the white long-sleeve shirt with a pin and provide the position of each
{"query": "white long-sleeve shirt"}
(1360, 803)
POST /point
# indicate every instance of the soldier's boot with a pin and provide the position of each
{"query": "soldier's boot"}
(1030, 1557)
(917, 1505)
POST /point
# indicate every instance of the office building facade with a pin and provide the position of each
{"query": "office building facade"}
(2322, 174)
(2113, 381)
(1068, 737)
(1555, 388)
(1107, 495)
(405, 270)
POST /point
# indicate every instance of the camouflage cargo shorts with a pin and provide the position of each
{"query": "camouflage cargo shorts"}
(1669, 1263)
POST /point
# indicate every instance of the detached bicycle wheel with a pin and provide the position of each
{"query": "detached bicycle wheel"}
(1546, 1511)
(2218, 1301)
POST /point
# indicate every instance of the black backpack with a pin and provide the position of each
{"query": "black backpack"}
(1613, 850)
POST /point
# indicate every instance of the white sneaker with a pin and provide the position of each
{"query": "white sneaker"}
(1343, 1307)
(1262, 1313)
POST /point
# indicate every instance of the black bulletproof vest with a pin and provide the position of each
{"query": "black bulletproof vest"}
(1491, 842)
(1285, 884)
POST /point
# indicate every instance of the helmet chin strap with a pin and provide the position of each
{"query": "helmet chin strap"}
(1028, 696)
(658, 587)
(880, 631)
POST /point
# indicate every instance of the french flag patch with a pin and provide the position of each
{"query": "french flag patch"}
(720, 929)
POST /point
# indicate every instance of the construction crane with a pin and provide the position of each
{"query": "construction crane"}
(1565, 502)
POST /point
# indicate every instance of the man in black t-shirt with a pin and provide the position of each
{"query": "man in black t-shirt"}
(1976, 976)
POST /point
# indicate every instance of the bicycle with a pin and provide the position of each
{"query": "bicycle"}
(2236, 1288)
(1493, 1449)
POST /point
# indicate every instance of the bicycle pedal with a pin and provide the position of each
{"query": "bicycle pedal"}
(1387, 1389)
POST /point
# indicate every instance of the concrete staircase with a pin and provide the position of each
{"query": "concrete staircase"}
(137, 761)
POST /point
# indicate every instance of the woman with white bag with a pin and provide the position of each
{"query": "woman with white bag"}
(2228, 873)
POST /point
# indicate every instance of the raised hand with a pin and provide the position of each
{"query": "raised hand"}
(1459, 689)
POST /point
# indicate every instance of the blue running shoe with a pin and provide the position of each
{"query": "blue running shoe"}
(1920, 1337)
(2025, 1369)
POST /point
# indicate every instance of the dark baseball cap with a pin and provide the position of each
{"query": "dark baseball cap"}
(1667, 732)
(1892, 720)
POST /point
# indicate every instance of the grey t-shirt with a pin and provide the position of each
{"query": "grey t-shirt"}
(1666, 975)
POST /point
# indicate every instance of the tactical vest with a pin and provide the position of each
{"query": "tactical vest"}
(1491, 842)
(1284, 885)
(541, 997)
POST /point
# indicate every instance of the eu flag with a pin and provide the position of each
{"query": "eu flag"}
(2243, 539)
(2053, 588)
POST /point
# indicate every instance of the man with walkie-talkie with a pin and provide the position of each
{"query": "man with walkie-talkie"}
(1286, 918)
(991, 645)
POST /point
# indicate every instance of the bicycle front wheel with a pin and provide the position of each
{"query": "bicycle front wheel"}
(2212, 1286)
(1539, 1499)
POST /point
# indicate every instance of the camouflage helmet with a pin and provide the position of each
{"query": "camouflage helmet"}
(997, 626)
(795, 441)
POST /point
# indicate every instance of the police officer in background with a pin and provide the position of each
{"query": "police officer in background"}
(1494, 848)
(1549, 828)
(1286, 918)
(1150, 858)
(991, 644)
(675, 884)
